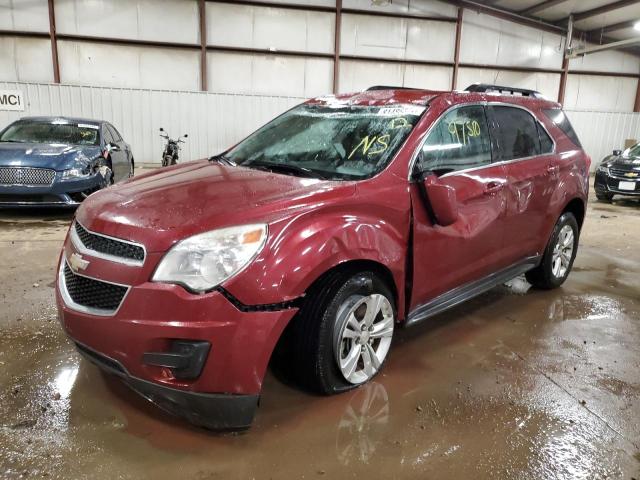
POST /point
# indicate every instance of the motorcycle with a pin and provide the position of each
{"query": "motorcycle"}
(171, 149)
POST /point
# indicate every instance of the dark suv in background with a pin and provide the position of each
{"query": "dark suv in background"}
(619, 174)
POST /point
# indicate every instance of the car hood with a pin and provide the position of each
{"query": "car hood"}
(628, 163)
(170, 204)
(39, 155)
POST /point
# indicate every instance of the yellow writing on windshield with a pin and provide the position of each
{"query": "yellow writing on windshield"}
(381, 142)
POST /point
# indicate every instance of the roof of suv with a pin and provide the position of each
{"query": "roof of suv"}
(378, 96)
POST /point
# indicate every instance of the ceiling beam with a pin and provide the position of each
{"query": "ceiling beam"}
(611, 28)
(540, 6)
(508, 15)
(576, 52)
(610, 7)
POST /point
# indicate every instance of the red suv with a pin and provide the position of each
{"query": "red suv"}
(339, 221)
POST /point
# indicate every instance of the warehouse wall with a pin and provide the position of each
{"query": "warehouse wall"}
(216, 121)
(296, 48)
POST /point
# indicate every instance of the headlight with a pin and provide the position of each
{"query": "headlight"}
(204, 261)
(74, 173)
(603, 168)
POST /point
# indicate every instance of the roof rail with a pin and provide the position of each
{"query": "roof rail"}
(486, 87)
(388, 87)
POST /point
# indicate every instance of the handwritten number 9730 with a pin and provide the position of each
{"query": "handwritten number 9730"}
(463, 132)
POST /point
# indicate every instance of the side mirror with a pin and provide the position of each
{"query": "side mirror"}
(185, 135)
(161, 129)
(442, 199)
(617, 153)
(112, 147)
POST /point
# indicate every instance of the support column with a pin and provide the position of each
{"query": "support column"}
(202, 12)
(456, 54)
(336, 47)
(54, 43)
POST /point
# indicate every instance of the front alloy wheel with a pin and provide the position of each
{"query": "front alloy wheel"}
(341, 336)
(363, 336)
(563, 252)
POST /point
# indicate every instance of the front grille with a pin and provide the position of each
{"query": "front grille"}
(109, 246)
(620, 173)
(91, 293)
(26, 176)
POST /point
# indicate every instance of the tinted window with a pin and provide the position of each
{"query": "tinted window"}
(560, 119)
(114, 133)
(108, 136)
(546, 144)
(459, 140)
(516, 133)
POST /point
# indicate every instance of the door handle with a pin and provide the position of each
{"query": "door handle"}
(492, 188)
(553, 169)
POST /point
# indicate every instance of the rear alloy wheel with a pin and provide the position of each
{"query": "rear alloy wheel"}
(558, 256)
(341, 336)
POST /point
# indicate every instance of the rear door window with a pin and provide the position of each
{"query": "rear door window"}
(560, 120)
(516, 133)
(458, 141)
(546, 144)
(114, 133)
(108, 136)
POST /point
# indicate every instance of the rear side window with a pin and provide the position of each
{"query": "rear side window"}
(560, 120)
(108, 137)
(516, 133)
(546, 144)
(459, 140)
(114, 133)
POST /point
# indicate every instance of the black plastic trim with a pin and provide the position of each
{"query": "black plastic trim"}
(472, 289)
(214, 411)
(265, 307)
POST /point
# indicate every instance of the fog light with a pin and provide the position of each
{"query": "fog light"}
(185, 358)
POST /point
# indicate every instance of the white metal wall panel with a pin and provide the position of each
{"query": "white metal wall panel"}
(32, 15)
(269, 74)
(160, 20)
(397, 38)
(25, 59)
(356, 75)
(250, 26)
(213, 121)
(415, 7)
(602, 132)
(123, 66)
(488, 40)
(607, 61)
(591, 92)
(546, 83)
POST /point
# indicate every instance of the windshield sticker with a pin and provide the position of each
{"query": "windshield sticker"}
(86, 125)
(400, 110)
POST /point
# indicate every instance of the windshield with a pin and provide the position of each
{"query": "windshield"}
(45, 132)
(347, 142)
(632, 151)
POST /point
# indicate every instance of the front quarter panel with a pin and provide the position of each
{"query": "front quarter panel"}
(372, 225)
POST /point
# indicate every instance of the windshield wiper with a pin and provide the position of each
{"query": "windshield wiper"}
(222, 158)
(286, 168)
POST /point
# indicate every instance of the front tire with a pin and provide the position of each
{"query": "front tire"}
(604, 197)
(343, 332)
(559, 255)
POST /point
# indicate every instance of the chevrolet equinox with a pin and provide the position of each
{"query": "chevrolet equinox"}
(334, 224)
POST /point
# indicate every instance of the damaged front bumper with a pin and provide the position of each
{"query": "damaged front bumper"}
(209, 410)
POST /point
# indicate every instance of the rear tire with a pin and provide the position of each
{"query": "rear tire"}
(330, 346)
(559, 255)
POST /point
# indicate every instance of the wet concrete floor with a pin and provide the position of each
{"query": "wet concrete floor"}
(511, 385)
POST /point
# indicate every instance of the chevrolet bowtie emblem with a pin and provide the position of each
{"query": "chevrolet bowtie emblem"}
(76, 262)
(631, 174)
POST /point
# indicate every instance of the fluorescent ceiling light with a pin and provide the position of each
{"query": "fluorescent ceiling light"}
(636, 25)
